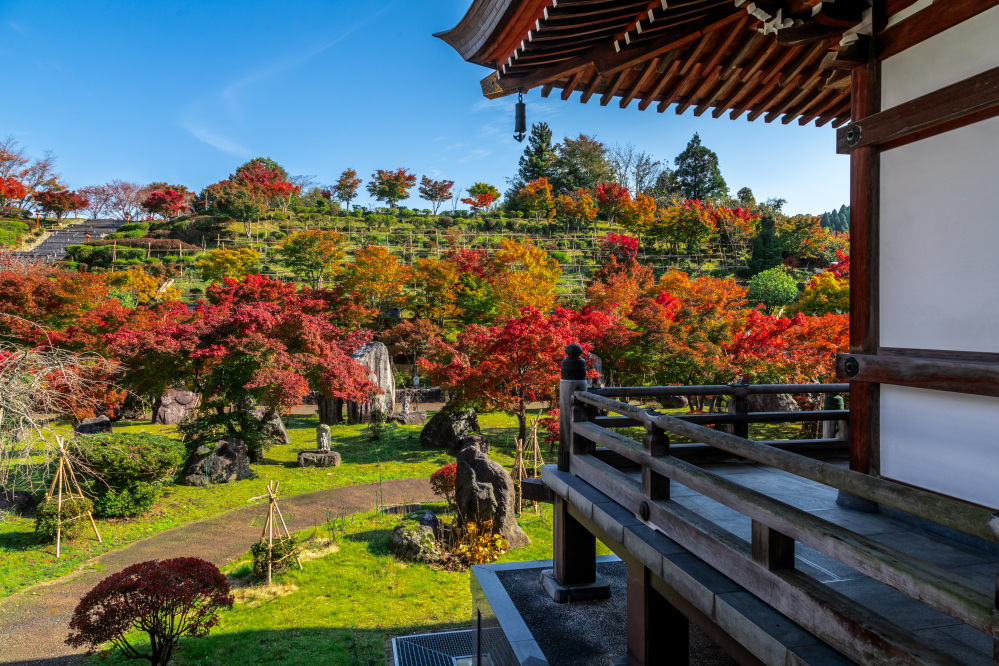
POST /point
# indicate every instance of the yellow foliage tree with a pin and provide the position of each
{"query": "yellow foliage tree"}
(136, 284)
(528, 276)
(825, 294)
(217, 265)
(435, 284)
(376, 278)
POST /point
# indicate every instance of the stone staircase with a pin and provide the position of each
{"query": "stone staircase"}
(54, 247)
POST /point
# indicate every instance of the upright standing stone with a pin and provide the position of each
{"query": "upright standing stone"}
(405, 402)
(376, 358)
(174, 406)
(323, 437)
(593, 362)
(484, 491)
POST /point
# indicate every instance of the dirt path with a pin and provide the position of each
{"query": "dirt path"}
(34, 623)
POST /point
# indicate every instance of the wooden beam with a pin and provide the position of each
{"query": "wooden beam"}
(547, 88)
(594, 82)
(740, 92)
(779, 94)
(926, 23)
(723, 87)
(660, 84)
(573, 82)
(671, 93)
(949, 104)
(613, 88)
(927, 373)
(639, 82)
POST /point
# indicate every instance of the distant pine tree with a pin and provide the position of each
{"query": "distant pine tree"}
(764, 251)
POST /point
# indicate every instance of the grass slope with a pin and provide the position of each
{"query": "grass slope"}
(25, 562)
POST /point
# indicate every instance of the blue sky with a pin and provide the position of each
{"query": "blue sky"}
(186, 91)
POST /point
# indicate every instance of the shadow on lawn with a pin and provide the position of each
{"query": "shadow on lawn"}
(301, 646)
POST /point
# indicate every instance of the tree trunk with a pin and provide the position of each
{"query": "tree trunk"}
(330, 410)
(522, 422)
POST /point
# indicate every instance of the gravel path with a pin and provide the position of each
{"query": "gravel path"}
(34, 623)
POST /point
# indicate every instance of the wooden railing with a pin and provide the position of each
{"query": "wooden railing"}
(767, 566)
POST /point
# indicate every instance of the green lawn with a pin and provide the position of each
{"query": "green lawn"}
(342, 608)
(25, 562)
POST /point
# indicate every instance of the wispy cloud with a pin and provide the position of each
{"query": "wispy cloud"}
(203, 117)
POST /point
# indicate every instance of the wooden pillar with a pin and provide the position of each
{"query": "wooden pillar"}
(658, 633)
(573, 379)
(655, 486)
(865, 176)
(575, 548)
(740, 395)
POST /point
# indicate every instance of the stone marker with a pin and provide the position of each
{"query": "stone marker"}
(483, 490)
(376, 358)
(97, 425)
(221, 462)
(448, 428)
(174, 406)
(323, 437)
(593, 362)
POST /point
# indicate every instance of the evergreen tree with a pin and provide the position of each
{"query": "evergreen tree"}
(580, 163)
(538, 160)
(764, 251)
(697, 173)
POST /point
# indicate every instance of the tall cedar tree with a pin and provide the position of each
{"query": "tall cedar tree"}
(391, 186)
(346, 186)
(435, 191)
(765, 249)
(538, 160)
(697, 173)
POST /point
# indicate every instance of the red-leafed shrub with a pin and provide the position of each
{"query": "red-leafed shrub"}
(550, 422)
(166, 599)
(442, 482)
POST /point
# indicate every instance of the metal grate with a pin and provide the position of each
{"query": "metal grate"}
(447, 648)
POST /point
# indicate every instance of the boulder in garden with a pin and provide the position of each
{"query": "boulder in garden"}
(483, 491)
(413, 542)
(224, 461)
(376, 358)
(174, 406)
(95, 426)
(273, 428)
(318, 459)
(409, 418)
(448, 428)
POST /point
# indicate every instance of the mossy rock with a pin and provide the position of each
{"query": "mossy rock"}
(413, 542)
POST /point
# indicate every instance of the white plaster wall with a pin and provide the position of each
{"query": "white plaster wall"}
(939, 272)
(967, 49)
(944, 442)
(940, 241)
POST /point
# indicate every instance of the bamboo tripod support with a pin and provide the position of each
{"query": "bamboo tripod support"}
(65, 483)
(519, 466)
(268, 533)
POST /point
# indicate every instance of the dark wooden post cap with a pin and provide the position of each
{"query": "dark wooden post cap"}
(573, 366)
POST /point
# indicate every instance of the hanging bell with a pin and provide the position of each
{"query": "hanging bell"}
(520, 118)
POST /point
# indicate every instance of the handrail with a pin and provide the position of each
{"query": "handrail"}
(966, 518)
(947, 592)
(717, 389)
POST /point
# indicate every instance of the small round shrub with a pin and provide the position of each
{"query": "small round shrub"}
(74, 512)
(128, 470)
(283, 554)
(774, 288)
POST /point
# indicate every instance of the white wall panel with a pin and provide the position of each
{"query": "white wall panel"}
(967, 49)
(940, 241)
(945, 442)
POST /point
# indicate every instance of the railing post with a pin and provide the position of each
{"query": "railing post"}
(574, 558)
(771, 549)
(740, 394)
(573, 379)
(655, 442)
